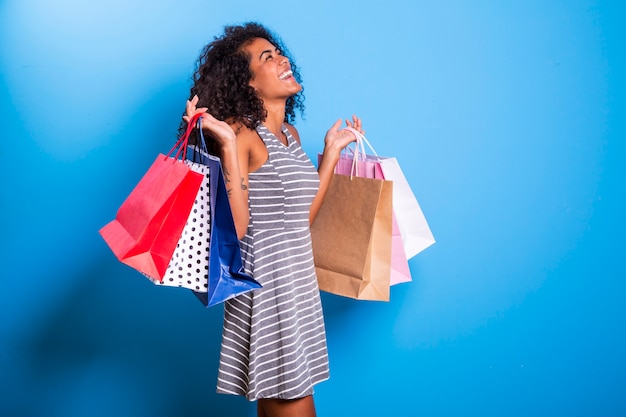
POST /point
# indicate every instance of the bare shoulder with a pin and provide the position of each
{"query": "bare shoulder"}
(294, 132)
(250, 144)
(245, 135)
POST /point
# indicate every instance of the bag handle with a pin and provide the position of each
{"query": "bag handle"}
(359, 149)
(360, 138)
(202, 146)
(181, 144)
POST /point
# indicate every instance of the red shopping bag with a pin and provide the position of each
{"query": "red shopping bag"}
(149, 223)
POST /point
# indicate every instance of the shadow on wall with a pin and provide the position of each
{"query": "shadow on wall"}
(118, 345)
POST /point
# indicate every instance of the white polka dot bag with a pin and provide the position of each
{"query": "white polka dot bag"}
(189, 266)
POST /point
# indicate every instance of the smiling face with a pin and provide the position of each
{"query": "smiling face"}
(271, 72)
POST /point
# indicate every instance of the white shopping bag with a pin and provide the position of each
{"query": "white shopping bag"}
(414, 229)
(410, 220)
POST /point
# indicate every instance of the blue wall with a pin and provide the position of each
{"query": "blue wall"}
(508, 118)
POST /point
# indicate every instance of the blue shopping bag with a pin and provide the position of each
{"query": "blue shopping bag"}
(226, 277)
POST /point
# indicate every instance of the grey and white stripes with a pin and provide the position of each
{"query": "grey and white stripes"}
(274, 342)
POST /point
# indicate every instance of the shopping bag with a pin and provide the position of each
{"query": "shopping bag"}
(149, 222)
(351, 237)
(222, 273)
(412, 224)
(189, 264)
(354, 163)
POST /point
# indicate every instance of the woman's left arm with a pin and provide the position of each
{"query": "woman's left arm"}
(335, 141)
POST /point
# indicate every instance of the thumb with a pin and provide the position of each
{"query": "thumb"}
(336, 125)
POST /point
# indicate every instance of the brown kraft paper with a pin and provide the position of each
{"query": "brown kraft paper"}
(351, 238)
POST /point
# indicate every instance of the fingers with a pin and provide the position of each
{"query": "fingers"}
(190, 106)
(191, 109)
(187, 116)
(355, 123)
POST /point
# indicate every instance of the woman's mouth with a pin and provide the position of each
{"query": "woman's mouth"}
(285, 75)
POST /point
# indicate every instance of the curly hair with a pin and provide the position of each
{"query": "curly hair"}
(222, 75)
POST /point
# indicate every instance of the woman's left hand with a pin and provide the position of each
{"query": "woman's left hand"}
(336, 139)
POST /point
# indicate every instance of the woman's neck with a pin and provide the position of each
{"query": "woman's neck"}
(275, 118)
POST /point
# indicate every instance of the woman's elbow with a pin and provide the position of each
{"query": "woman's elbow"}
(241, 227)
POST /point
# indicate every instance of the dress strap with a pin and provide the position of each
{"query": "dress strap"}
(268, 136)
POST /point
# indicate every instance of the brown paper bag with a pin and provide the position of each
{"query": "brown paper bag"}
(352, 238)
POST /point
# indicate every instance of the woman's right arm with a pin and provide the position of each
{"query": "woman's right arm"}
(234, 156)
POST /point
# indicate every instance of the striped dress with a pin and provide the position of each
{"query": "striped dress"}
(274, 341)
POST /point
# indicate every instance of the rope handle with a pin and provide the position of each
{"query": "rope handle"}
(361, 138)
(358, 153)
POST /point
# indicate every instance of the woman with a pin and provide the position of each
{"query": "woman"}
(273, 341)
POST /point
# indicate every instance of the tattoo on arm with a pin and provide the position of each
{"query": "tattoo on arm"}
(227, 181)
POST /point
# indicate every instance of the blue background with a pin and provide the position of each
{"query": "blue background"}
(507, 117)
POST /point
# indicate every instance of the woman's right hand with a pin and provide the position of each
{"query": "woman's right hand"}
(234, 160)
(219, 130)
